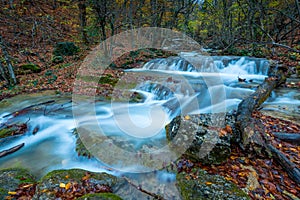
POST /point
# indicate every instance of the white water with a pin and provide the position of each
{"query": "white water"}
(139, 125)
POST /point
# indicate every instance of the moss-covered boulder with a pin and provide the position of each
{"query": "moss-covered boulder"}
(10, 179)
(29, 68)
(198, 184)
(202, 138)
(73, 183)
(65, 49)
(100, 196)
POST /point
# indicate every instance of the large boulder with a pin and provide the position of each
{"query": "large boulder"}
(198, 184)
(202, 138)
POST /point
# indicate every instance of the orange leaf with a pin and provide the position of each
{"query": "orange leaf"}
(208, 183)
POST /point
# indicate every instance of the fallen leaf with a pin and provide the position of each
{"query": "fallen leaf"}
(187, 117)
(208, 183)
(62, 185)
(12, 193)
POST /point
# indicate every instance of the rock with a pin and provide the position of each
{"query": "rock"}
(56, 180)
(204, 138)
(100, 196)
(10, 179)
(65, 49)
(201, 185)
(57, 59)
(32, 68)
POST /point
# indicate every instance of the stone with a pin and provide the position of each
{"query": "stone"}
(65, 49)
(203, 186)
(10, 179)
(202, 138)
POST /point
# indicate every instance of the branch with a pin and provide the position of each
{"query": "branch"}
(288, 137)
(11, 150)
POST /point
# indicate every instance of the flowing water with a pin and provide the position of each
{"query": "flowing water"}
(210, 84)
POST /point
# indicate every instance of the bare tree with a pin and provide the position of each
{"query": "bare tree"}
(7, 71)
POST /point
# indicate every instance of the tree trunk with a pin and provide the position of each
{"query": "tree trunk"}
(12, 78)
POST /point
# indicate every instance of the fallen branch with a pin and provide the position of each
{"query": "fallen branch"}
(293, 138)
(28, 107)
(252, 137)
(155, 196)
(287, 165)
(11, 150)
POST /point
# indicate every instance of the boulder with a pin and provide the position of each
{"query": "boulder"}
(198, 184)
(65, 49)
(202, 138)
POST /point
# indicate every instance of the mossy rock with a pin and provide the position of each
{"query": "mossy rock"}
(65, 49)
(10, 179)
(80, 148)
(51, 182)
(57, 59)
(100, 196)
(207, 187)
(6, 132)
(30, 67)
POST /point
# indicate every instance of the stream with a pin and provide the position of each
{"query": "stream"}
(128, 129)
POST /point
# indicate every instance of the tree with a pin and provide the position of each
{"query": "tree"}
(7, 71)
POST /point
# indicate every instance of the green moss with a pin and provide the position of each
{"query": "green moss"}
(80, 148)
(108, 79)
(11, 178)
(100, 196)
(30, 67)
(58, 176)
(6, 132)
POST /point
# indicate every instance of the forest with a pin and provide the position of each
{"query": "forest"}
(247, 97)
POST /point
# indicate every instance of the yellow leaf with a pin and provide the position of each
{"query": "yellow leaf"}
(26, 186)
(67, 176)
(68, 186)
(62, 185)
(12, 193)
(187, 117)
(208, 183)
(45, 190)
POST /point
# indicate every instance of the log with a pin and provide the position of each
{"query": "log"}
(252, 134)
(11, 150)
(245, 109)
(293, 138)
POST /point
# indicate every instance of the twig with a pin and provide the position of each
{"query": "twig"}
(155, 196)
